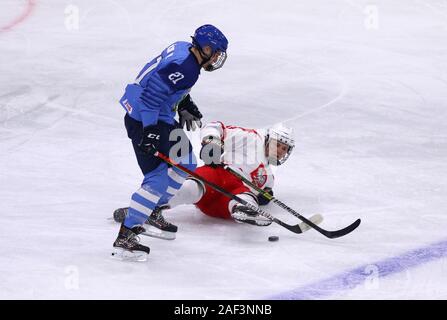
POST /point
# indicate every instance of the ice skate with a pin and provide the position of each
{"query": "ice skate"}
(162, 228)
(242, 213)
(127, 245)
(120, 214)
(157, 226)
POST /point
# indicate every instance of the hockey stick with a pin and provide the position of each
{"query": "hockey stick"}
(268, 196)
(296, 228)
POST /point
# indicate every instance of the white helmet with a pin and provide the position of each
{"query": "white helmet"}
(281, 134)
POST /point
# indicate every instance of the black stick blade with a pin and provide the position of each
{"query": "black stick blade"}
(296, 228)
(341, 232)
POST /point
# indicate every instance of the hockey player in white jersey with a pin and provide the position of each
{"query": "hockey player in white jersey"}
(248, 151)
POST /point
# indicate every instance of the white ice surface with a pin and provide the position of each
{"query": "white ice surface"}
(368, 106)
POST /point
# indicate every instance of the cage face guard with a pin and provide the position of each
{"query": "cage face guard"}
(272, 154)
(220, 61)
(278, 135)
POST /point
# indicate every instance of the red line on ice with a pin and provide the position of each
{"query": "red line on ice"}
(25, 14)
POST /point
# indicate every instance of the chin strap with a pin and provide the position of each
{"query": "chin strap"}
(204, 57)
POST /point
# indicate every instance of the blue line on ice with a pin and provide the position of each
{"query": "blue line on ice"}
(352, 278)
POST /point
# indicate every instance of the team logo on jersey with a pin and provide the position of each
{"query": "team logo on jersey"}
(128, 106)
(259, 176)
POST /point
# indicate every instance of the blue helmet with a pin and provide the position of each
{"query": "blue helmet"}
(209, 35)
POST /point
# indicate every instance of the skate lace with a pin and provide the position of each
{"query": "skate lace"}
(133, 239)
(158, 217)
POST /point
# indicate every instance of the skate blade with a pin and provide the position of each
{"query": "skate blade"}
(126, 255)
(157, 233)
(316, 218)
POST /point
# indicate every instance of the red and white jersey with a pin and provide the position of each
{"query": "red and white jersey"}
(244, 151)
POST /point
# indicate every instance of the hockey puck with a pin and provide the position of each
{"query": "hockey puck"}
(273, 238)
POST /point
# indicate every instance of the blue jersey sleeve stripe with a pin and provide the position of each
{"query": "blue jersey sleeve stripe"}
(157, 96)
(153, 96)
(156, 82)
(155, 93)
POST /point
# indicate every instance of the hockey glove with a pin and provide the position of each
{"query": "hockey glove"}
(189, 114)
(150, 140)
(263, 200)
(211, 152)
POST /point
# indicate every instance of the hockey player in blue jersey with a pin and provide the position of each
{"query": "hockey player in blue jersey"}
(160, 89)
